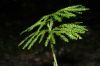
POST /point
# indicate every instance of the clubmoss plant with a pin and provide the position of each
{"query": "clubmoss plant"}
(46, 28)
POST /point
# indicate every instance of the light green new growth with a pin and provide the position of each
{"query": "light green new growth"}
(64, 31)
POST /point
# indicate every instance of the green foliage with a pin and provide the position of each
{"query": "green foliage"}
(47, 29)
(71, 30)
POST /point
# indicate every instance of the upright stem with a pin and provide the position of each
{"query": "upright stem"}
(54, 56)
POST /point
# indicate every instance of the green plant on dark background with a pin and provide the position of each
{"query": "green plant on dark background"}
(47, 32)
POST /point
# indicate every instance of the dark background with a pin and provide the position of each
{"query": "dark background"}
(17, 15)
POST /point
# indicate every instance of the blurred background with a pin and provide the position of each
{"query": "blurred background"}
(17, 15)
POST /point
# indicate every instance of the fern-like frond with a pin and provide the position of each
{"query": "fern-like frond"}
(47, 29)
(77, 8)
(32, 38)
(39, 23)
(73, 31)
(65, 14)
(68, 12)
(46, 26)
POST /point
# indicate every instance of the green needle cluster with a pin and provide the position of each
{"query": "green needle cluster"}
(65, 31)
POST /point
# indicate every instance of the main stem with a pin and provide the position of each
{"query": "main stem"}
(54, 56)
